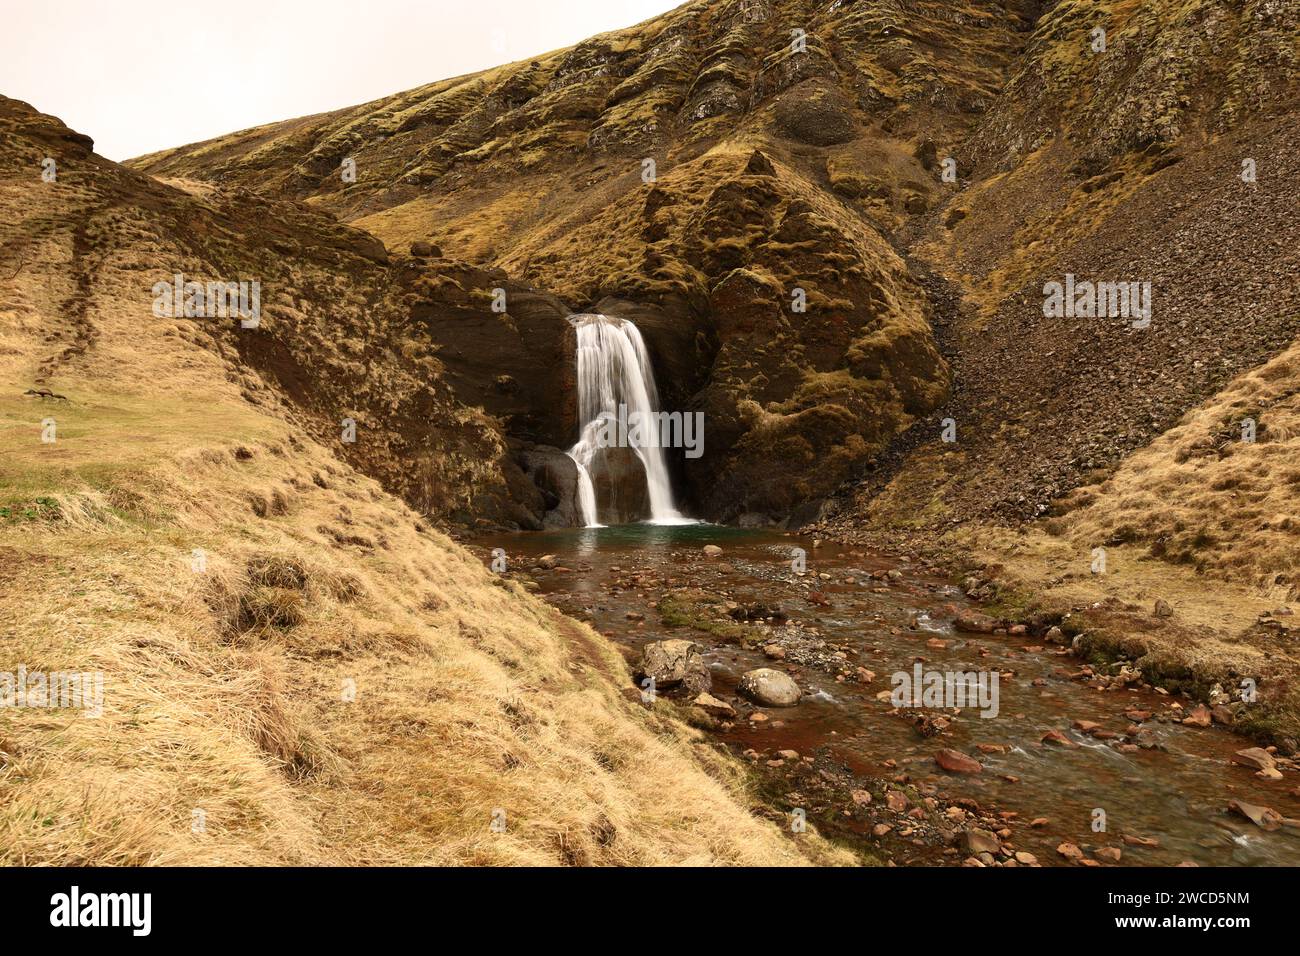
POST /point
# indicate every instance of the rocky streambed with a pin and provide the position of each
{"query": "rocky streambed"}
(793, 654)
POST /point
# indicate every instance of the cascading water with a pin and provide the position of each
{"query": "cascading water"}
(614, 370)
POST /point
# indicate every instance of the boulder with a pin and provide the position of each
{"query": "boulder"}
(816, 113)
(771, 688)
(675, 663)
(556, 476)
(619, 479)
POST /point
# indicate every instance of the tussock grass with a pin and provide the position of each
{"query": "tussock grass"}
(226, 693)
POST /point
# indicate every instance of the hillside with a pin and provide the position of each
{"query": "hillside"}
(331, 679)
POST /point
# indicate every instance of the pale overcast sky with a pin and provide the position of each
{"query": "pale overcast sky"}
(141, 75)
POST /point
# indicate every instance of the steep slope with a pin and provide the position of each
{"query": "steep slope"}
(1122, 165)
(297, 668)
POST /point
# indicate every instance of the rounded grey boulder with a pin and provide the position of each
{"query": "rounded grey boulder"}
(771, 688)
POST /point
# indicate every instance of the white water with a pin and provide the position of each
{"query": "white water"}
(613, 369)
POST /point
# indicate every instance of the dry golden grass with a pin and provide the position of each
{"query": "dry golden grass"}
(1201, 496)
(224, 690)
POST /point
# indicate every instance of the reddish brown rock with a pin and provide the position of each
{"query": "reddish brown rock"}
(1134, 840)
(1070, 851)
(1266, 818)
(954, 761)
(1256, 758)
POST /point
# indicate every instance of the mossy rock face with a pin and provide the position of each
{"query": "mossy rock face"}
(817, 114)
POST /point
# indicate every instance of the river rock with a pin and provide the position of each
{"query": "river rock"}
(712, 551)
(714, 707)
(980, 841)
(1256, 758)
(973, 622)
(1266, 818)
(1070, 851)
(1055, 738)
(954, 761)
(555, 475)
(675, 662)
(769, 687)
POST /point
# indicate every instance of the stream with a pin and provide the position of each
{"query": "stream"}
(865, 771)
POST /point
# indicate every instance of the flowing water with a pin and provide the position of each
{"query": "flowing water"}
(1174, 789)
(616, 384)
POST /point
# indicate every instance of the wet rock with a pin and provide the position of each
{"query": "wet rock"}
(1134, 840)
(973, 622)
(555, 475)
(1054, 738)
(675, 663)
(1070, 851)
(954, 761)
(1256, 758)
(1266, 818)
(769, 687)
(979, 841)
(1111, 854)
(1199, 717)
(618, 478)
(547, 562)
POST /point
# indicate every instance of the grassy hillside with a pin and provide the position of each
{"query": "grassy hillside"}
(338, 682)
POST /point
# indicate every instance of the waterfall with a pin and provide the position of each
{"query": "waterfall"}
(614, 370)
